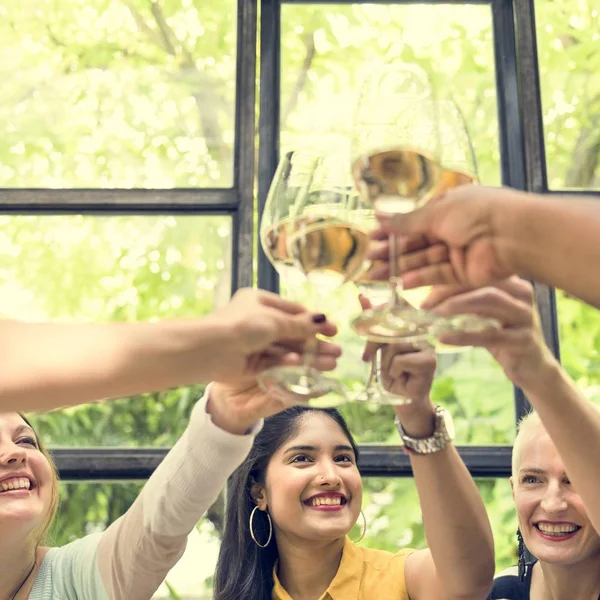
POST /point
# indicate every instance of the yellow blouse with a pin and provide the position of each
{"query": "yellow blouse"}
(364, 574)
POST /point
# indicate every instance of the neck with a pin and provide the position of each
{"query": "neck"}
(16, 564)
(579, 581)
(307, 569)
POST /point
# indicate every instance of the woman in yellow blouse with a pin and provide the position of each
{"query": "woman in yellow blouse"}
(294, 499)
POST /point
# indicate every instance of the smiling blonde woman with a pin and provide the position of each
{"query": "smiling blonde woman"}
(555, 480)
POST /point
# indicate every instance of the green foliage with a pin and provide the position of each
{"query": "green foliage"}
(140, 93)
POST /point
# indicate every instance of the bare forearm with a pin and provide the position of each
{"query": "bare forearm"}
(48, 365)
(554, 241)
(456, 523)
(573, 423)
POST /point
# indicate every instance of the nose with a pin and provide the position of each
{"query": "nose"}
(554, 500)
(329, 476)
(13, 455)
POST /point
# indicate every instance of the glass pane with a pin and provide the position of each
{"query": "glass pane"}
(100, 93)
(394, 518)
(327, 50)
(115, 268)
(568, 39)
(579, 327)
(91, 507)
(470, 384)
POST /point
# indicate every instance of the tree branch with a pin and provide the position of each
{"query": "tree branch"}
(309, 42)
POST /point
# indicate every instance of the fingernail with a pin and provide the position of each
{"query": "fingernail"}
(319, 319)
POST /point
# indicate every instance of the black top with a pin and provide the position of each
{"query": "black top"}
(508, 586)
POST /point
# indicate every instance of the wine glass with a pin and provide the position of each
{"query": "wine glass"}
(283, 214)
(395, 169)
(459, 167)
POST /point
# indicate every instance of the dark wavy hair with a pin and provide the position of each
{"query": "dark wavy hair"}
(245, 571)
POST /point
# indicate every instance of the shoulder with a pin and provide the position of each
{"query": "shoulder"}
(70, 572)
(382, 559)
(383, 574)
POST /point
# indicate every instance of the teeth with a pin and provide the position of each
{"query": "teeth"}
(556, 529)
(326, 501)
(17, 483)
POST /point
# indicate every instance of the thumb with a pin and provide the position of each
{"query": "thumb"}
(417, 222)
(365, 303)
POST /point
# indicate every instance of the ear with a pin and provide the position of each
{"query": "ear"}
(512, 486)
(259, 496)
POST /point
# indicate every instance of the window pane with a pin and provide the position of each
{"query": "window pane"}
(91, 507)
(568, 39)
(111, 94)
(115, 268)
(327, 49)
(394, 518)
(579, 326)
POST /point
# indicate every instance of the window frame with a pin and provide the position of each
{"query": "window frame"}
(523, 166)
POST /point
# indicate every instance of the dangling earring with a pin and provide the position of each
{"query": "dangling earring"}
(252, 529)
(364, 529)
(521, 558)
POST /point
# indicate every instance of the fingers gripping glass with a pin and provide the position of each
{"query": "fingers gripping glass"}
(291, 234)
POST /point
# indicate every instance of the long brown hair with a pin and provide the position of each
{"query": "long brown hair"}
(39, 534)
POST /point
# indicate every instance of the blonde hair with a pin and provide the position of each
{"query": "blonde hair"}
(529, 422)
(526, 424)
(39, 533)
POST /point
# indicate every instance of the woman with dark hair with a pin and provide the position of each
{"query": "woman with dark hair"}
(554, 480)
(294, 499)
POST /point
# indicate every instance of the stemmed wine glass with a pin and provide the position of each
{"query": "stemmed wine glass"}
(291, 232)
(459, 167)
(395, 169)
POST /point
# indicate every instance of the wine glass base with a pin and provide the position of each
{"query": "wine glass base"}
(302, 385)
(464, 324)
(378, 325)
(380, 397)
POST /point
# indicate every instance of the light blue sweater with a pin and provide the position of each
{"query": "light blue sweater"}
(70, 573)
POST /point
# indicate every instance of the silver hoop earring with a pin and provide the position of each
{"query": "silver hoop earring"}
(364, 529)
(252, 528)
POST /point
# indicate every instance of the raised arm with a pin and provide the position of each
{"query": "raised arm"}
(43, 366)
(459, 564)
(476, 235)
(569, 418)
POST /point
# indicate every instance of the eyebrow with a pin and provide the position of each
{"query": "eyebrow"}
(25, 429)
(536, 471)
(338, 448)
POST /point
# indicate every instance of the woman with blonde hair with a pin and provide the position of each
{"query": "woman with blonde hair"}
(554, 480)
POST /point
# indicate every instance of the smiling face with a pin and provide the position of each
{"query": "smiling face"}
(552, 516)
(313, 490)
(27, 480)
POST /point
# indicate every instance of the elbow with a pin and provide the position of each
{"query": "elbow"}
(477, 585)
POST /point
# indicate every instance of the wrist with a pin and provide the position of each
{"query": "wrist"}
(514, 218)
(222, 415)
(537, 367)
(417, 419)
(543, 378)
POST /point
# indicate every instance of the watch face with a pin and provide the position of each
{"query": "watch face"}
(448, 424)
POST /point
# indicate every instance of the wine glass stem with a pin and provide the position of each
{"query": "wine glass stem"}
(311, 346)
(372, 385)
(395, 279)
